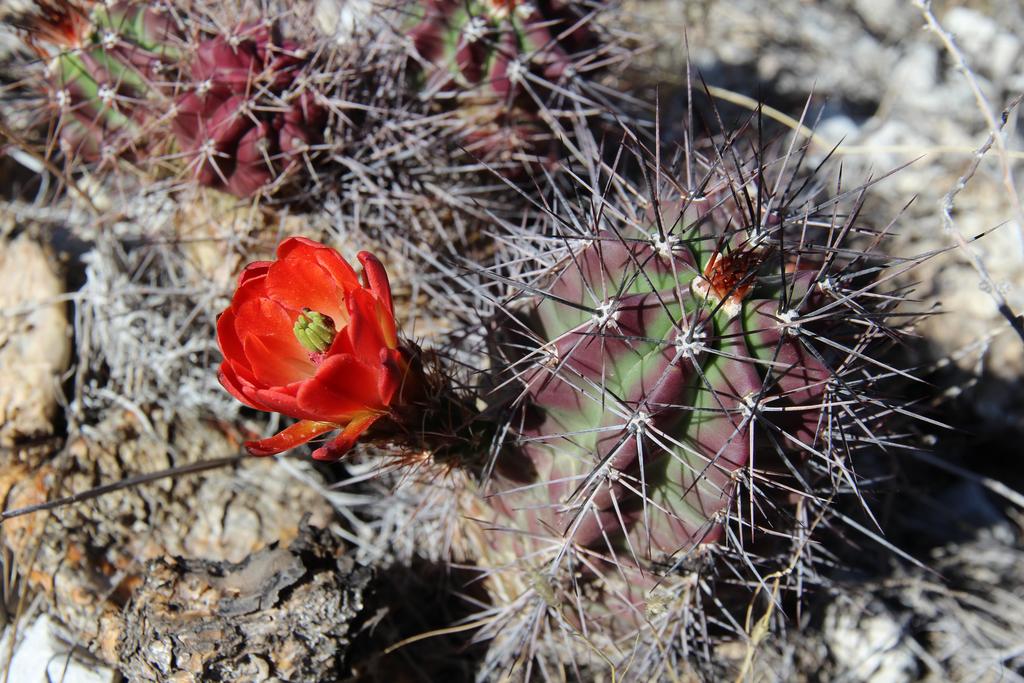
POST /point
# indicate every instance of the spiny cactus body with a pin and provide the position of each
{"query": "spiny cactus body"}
(139, 80)
(690, 371)
(498, 62)
(109, 74)
(658, 346)
(496, 45)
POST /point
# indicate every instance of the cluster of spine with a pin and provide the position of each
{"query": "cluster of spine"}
(242, 107)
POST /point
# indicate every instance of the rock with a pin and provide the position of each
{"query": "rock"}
(988, 45)
(886, 17)
(35, 343)
(41, 656)
(836, 130)
(972, 620)
(341, 19)
(868, 644)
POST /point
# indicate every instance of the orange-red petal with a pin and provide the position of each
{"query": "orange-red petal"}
(376, 279)
(263, 317)
(338, 267)
(393, 371)
(253, 271)
(290, 437)
(273, 362)
(302, 283)
(229, 379)
(306, 249)
(336, 449)
(343, 387)
(363, 327)
(227, 338)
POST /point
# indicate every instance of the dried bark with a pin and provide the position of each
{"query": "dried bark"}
(281, 613)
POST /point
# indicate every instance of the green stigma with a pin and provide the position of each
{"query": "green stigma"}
(315, 331)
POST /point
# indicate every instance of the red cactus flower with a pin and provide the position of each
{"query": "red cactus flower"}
(305, 338)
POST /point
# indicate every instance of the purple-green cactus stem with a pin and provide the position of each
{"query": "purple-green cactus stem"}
(496, 63)
(490, 47)
(665, 358)
(110, 76)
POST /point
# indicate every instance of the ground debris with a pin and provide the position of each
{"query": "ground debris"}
(89, 559)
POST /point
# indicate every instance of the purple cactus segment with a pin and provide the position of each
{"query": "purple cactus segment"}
(554, 35)
(618, 351)
(694, 448)
(493, 44)
(252, 55)
(638, 419)
(663, 361)
(502, 55)
(796, 373)
(657, 461)
(428, 36)
(301, 124)
(247, 120)
(781, 325)
(504, 78)
(498, 135)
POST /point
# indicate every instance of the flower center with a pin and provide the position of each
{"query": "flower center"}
(315, 331)
(730, 275)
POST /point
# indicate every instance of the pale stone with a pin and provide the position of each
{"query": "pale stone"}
(343, 19)
(34, 342)
(868, 644)
(40, 656)
(987, 44)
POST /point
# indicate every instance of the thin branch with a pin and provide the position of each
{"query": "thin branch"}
(98, 491)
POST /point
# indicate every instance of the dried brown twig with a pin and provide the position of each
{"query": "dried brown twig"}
(127, 482)
(995, 138)
(988, 284)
